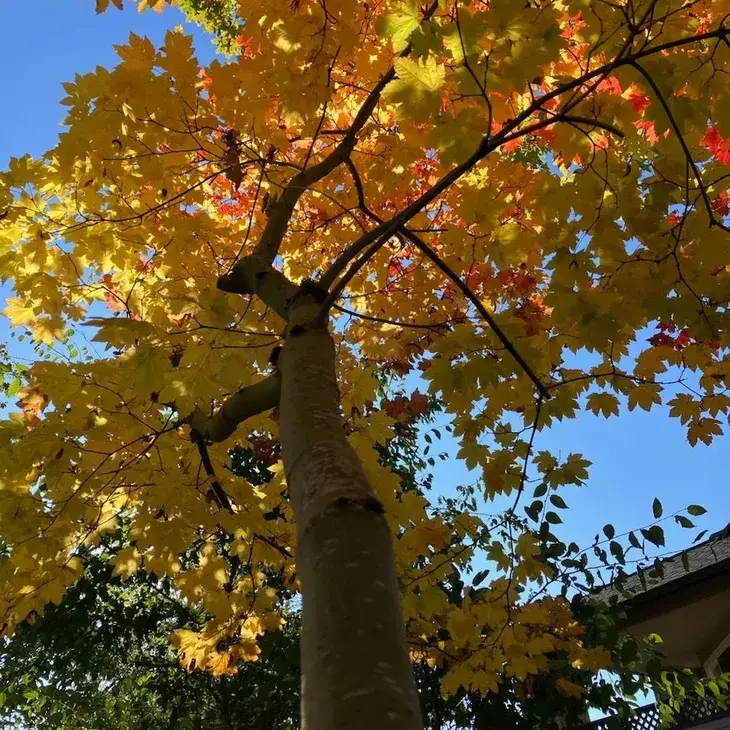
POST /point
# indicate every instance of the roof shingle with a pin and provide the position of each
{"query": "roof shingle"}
(707, 557)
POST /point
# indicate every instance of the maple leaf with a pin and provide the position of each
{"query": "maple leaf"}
(610, 85)
(575, 469)
(127, 561)
(603, 404)
(684, 407)
(644, 396)
(102, 5)
(718, 145)
(639, 100)
(416, 87)
(703, 429)
(19, 312)
(118, 331)
(32, 402)
(400, 24)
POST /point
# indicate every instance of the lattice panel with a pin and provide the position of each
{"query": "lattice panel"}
(694, 713)
(646, 718)
(699, 711)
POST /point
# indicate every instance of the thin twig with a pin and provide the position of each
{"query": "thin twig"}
(221, 497)
(451, 274)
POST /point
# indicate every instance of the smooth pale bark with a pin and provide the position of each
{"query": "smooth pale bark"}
(249, 401)
(356, 673)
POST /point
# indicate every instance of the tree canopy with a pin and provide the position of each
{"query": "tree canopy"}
(518, 206)
(102, 658)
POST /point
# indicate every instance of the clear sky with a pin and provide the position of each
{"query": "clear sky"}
(635, 457)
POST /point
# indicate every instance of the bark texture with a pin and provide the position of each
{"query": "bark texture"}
(356, 673)
(249, 401)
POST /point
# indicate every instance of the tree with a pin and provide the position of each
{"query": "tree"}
(502, 196)
(102, 658)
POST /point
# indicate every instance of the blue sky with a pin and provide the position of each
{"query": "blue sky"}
(635, 457)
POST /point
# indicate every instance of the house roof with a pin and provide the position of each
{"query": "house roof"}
(702, 561)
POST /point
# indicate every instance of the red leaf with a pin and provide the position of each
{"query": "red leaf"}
(721, 204)
(513, 144)
(649, 132)
(717, 144)
(610, 85)
(639, 100)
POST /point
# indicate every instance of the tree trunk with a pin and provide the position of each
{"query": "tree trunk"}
(356, 673)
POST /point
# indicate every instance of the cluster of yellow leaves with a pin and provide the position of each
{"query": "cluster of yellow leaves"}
(485, 644)
(580, 230)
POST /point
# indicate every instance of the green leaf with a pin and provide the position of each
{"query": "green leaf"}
(657, 508)
(617, 551)
(479, 577)
(400, 24)
(14, 387)
(416, 88)
(696, 510)
(558, 501)
(609, 531)
(553, 518)
(540, 490)
(634, 541)
(629, 651)
(654, 535)
(533, 511)
(684, 521)
(685, 561)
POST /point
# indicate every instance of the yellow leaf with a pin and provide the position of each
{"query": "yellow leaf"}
(118, 331)
(400, 24)
(684, 407)
(19, 312)
(704, 429)
(127, 562)
(575, 469)
(603, 404)
(644, 396)
(568, 688)
(417, 86)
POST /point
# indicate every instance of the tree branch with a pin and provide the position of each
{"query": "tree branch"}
(384, 230)
(488, 144)
(281, 210)
(219, 493)
(680, 137)
(457, 280)
(597, 123)
(486, 316)
(249, 401)
(255, 275)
